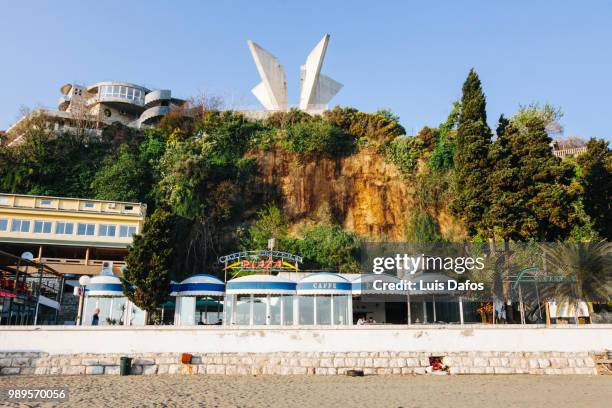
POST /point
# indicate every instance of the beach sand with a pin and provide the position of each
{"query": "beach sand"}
(317, 391)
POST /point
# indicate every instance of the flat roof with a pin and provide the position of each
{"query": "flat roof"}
(70, 198)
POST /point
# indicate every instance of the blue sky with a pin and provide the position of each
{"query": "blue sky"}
(409, 56)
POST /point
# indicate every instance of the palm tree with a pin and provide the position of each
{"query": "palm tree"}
(586, 266)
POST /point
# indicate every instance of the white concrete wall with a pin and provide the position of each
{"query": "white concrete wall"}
(213, 339)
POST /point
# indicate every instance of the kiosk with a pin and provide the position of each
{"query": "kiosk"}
(198, 300)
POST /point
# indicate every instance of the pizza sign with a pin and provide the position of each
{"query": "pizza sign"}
(261, 263)
(263, 260)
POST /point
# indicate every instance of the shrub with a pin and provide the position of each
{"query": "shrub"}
(405, 152)
(317, 137)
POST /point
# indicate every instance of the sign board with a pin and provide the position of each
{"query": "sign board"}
(260, 261)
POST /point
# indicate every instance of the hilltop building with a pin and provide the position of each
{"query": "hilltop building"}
(104, 103)
(568, 147)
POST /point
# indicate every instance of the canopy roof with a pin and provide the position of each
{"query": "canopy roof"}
(199, 285)
(323, 283)
(107, 285)
(260, 285)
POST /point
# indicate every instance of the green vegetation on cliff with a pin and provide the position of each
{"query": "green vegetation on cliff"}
(199, 177)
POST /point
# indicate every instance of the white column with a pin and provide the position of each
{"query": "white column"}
(267, 310)
(251, 308)
(314, 308)
(205, 309)
(409, 309)
(331, 309)
(350, 310)
(434, 308)
(177, 311)
(296, 311)
(127, 320)
(234, 301)
(461, 310)
(424, 310)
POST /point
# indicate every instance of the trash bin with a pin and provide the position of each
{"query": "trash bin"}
(125, 366)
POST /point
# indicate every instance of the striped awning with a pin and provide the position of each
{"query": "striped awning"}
(104, 286)
(324, 283)
(260, 285)
(199, 285)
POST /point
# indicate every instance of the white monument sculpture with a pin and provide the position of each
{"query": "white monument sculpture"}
(316, 89)
(272, 90)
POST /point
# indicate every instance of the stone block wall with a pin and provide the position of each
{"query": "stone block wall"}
(301, 363)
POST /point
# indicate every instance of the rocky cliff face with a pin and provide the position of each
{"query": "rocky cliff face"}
(364, 192)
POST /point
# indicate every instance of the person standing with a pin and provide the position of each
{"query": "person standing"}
(96, 317)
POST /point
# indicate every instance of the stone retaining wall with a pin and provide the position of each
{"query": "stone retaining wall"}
(302, 363)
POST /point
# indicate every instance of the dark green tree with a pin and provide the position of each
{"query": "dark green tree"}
(329, 246)
(444, 151)
(270, 223)
(149, 263)
(471, 158)
(531, 191)
(121, 178)
(423, 228)
(596, 165)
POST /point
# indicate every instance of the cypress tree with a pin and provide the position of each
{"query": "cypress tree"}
(531, 190)
(150, 262)
(504, 212)
(596, 166)
(471, 158)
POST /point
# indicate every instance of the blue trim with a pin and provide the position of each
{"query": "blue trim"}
(331, 286)
(261, 285)
(323, 273)
(112, 287)
(204, 274)
(209, 287)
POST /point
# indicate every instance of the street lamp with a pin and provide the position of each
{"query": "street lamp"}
(83, 282)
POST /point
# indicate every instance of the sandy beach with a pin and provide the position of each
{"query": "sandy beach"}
(337, 391)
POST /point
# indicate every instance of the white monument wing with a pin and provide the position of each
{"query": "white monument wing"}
(272, 91)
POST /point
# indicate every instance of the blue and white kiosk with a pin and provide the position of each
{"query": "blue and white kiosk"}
(259, 300)
(324, 299)
(198, 300)
(105, 292)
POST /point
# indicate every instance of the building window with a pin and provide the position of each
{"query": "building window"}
(45, 202)
(3, 200)
(105, 230)
(128, 207)
(85, 229)
(127, 231)
(89, 205)
(20, 226)
(3, 224)
(66, 228)
(42, 227)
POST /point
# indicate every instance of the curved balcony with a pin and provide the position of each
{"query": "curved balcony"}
(154, 97)
(94, 88)
(65, 89)
(152, 114)
(63, 102)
